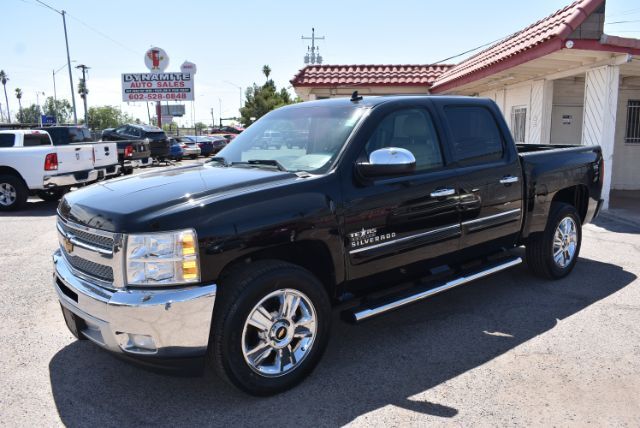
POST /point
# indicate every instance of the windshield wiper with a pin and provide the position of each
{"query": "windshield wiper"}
(271, 163)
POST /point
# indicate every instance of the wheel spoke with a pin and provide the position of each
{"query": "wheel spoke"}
(289, 305)
(261, 319)
(287, 357)
(258, 354)
(302, 331)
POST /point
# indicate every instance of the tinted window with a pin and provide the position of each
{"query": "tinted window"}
(476, 137)
(410, 129)
(31, 140)
(155, 135)
(6, 140)
(80, 135)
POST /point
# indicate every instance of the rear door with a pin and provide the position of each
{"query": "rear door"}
(489, 174)
(395, 221)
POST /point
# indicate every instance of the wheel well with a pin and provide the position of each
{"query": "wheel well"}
(578, 196)
(311, 255)
(7, 170)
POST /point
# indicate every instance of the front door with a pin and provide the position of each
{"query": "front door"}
(394, 221)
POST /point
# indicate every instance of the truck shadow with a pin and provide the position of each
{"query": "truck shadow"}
(366, 367)
(35, 207)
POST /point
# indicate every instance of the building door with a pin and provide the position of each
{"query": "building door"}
(566, 124)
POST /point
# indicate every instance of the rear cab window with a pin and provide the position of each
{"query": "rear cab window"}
(32, 140)
(475, 136)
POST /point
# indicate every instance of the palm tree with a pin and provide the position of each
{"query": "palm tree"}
(19, 97)
(4, 78)
(266, 70)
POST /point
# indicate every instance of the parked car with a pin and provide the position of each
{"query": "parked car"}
(31, 164)
(393, 200)
(208, 145)
(190, 147)
(133, 154)
(226, 130)
(105, 154)
(176, 152)
(158, 140)
(228, 137)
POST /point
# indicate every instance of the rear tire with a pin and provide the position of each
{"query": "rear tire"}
(553, 253)
(51, 195)
(280, 354)
(13, 193)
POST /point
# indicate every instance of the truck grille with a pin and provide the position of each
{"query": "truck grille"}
(101, 241)
(92, 252)
(102, 272)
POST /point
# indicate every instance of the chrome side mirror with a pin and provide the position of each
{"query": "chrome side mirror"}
(388, 161)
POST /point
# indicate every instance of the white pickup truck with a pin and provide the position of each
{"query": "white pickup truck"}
(105, 159)
(31, 164)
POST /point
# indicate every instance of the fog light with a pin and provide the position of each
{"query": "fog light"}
(142, 341)
(137, 343)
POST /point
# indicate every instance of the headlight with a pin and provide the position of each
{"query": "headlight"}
(163, 258)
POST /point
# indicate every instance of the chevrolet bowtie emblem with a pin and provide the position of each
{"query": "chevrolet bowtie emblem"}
(68, 245)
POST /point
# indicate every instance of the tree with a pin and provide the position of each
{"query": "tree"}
(102, 117)
(3, 79)
(200, 126)
(19, 97)
(30, 114)
(260, 100)
(60, 109)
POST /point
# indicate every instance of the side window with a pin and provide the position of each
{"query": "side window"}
(6, 140)
(476, 137)
(121, 130)
(410, 129)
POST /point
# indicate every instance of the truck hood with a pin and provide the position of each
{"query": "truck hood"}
(111, 205)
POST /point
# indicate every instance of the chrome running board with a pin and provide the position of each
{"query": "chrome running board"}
(362, 313)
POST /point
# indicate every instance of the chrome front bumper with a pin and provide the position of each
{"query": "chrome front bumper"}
(70, 179)
(176, 320)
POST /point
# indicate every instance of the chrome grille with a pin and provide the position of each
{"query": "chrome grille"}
(102, 272)
(102, 241)
(93, 253)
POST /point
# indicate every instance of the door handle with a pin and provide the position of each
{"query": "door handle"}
(442, 192)
(508, 179)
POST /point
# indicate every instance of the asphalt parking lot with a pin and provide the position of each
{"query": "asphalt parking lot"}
(507, 350)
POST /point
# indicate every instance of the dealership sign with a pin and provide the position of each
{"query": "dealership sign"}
(157, 87)
(156, 60)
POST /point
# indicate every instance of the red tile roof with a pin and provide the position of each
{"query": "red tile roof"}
(370, 75)
(554, 28)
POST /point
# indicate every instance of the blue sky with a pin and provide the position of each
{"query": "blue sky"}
(231, 41)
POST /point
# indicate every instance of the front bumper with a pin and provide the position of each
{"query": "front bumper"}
(70, 179)
(175, 321)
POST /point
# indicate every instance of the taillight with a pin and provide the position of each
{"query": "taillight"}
(200, 145)
(51, 162)
(184, 146)
(128, 151)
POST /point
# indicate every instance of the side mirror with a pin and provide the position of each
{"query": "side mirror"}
(387, 162)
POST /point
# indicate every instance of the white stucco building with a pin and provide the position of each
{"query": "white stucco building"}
(559, 81)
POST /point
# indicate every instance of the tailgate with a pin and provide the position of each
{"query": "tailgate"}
(106, 154)
(74, 158)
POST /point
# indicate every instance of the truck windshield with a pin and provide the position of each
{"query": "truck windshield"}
(298, 138)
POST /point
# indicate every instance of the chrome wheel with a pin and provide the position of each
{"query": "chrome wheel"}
(565, 242)
(8, 194)
(279, 333)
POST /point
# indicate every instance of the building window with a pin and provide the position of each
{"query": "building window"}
(519, 123)
(632, 135)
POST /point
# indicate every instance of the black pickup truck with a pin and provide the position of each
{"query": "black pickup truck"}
(384, 201)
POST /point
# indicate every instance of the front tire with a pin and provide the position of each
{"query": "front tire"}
(552, 254)
(270, 327)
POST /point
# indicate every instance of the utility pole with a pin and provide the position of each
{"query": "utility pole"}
(213, 121)
(313, 53)
(84, 69)
(220, 104)
(73, 92)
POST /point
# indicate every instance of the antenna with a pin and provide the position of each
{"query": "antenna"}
(355, 97)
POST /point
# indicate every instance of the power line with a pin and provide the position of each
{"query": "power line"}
(474, 49)
(102, 34)
(50, 7)
(622, 22)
